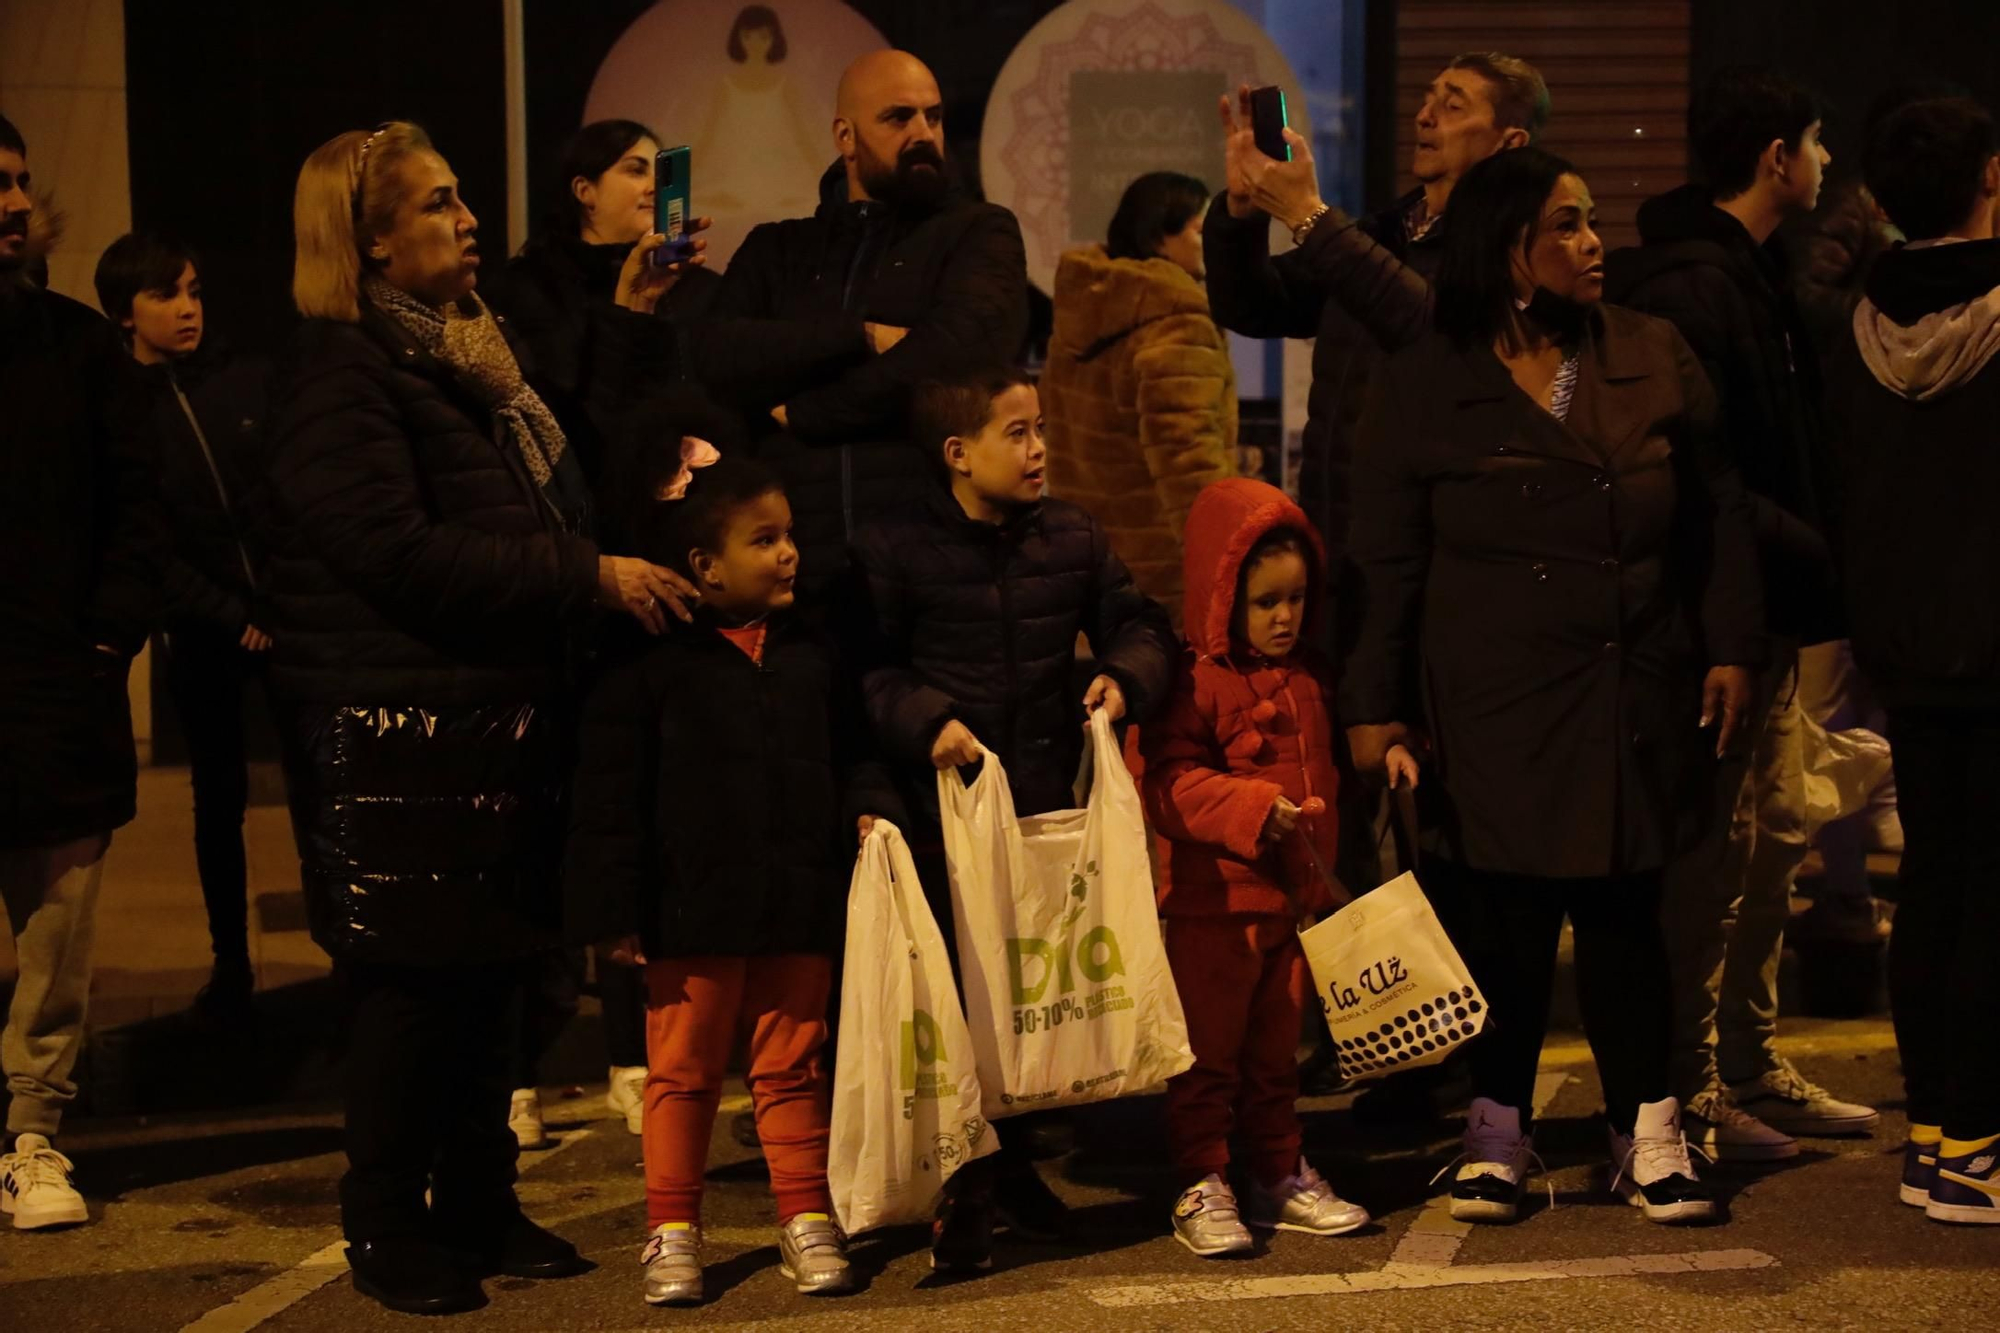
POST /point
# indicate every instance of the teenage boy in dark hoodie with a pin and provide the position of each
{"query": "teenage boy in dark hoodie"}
(967, 610)
(202, 414)
(1709, 264)
(1918, 402)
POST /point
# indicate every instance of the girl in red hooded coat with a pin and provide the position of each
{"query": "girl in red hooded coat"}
(1239, 785)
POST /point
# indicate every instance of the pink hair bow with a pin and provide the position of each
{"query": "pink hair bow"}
(695, 452)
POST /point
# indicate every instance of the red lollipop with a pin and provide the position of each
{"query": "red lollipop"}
(1312, 807)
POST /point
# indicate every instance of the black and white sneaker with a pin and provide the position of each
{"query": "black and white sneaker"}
(1651, 1169)
(1493, 1169)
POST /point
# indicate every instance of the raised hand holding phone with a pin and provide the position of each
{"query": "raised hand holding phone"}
(1284, 186)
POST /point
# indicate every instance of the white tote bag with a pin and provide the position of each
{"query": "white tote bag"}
(905, 1094)
(1067, 991)
(1395, 991)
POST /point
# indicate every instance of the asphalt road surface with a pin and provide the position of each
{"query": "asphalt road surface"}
(228, 1225)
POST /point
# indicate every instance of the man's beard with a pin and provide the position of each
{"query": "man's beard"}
(13, 257)
(916, 184)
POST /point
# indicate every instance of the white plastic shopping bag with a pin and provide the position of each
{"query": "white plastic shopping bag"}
(905, 1093)
(1067, 991)
(1395, 991)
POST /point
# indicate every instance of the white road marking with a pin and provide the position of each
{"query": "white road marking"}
(322, 1266)
(1339, 1284)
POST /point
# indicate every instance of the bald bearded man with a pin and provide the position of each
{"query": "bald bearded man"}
(823, 324)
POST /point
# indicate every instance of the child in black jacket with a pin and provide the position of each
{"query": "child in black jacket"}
(709, 845)
(967, 617)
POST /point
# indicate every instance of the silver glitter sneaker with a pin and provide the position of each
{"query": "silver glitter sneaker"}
(813, 1253)
(1206, 1220)
(1303, 1202)
(673, 1265)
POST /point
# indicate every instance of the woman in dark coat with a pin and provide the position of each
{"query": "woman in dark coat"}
(1552, 556)
(429, 582)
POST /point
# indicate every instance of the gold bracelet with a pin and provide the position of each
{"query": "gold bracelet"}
(1304, 229)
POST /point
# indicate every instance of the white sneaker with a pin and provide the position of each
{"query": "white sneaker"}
(1495, 1166)
(524, 1117)
(1652, 1169)
(1788, 1101)
(35, 1188)
(627, 1095)
(1725, 1132)
(1303, 1202)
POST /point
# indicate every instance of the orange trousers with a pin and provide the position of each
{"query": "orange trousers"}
(695, 1010)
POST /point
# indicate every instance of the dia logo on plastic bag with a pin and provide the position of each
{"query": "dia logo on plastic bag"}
(1055, 958)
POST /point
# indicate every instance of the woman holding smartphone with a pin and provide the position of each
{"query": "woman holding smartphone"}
(601, 322)
(599, 317)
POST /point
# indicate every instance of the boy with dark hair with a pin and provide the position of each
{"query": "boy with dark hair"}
(202, 417)
(1918, 399)
(968, 611)
(1709, 264)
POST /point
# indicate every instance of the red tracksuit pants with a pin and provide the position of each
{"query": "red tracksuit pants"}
(1243, 982)
(695, 1010)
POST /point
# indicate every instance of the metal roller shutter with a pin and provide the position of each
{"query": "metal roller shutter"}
(1618, 82)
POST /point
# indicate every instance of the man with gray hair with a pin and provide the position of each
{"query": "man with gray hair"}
(1361, 286)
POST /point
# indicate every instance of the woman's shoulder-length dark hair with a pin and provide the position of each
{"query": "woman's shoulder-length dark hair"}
(1495, 208)
(1157, 205)
(751, 19)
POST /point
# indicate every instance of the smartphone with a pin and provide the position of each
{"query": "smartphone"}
(1268, 121)
(673, 173)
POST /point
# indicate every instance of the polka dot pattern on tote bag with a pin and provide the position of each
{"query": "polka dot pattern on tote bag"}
(1433, 1025)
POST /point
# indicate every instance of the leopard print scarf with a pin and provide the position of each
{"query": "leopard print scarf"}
(465, 337)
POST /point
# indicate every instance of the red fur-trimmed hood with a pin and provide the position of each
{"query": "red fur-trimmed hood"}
(1226, 520)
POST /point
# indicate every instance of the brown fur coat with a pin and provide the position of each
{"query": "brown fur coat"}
(1140, 398)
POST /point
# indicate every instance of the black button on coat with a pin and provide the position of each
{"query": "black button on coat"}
(1545, 597)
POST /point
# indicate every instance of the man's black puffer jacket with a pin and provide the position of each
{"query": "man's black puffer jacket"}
(786, 330)
(416, 560)
(1730, 298)
(967, 620)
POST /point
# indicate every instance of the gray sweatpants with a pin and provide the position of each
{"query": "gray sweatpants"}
(50, 895)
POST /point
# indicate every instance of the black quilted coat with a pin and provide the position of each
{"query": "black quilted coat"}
(424, 596)
(975, 622)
